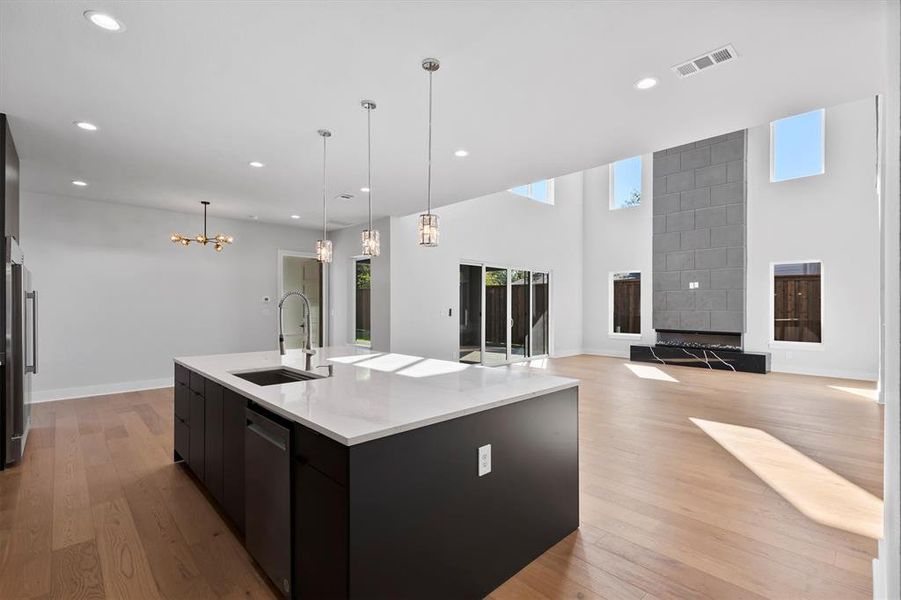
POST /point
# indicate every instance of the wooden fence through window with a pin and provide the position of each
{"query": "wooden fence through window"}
(627, 306)
(796, 308)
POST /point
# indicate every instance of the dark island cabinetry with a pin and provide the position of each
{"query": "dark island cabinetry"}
(393, 516)
(209, 437)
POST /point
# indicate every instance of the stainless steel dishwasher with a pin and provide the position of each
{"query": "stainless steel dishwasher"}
(267, 496)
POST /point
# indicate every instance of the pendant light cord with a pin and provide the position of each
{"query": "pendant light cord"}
(204, 221)
(369, 160)
(429, 185)
(324, 205)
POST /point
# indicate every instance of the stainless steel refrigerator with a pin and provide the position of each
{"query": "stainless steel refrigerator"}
(20, 360)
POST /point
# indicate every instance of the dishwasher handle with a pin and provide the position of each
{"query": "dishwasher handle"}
(280, 444)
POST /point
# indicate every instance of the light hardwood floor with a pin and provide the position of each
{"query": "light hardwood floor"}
(97, 509)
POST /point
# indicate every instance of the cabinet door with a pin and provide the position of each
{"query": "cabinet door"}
(182, 439)
(212, 432)
(196, 441)
(183, 402)
(233, 406)
(320, 535)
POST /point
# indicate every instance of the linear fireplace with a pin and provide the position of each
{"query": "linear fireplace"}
(714, 350)
(702, 340)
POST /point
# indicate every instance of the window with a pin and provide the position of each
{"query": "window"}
(625, 183)
(797, 302)
(362, 285)
(542, 191)
(625, 303)
(797, 146)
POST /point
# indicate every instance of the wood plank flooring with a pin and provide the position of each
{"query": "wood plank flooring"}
(98, 510)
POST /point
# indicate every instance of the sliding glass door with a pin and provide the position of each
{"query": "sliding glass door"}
(470, 313)
(519, 314)
(503, 314)
(495, 347)
(540, 311)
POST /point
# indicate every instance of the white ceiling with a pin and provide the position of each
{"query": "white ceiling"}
(192, 91)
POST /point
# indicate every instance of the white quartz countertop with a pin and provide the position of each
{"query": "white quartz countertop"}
(372, 394)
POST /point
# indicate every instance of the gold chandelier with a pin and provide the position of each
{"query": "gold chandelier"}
(202, 238)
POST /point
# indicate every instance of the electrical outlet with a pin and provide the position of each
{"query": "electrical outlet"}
(692, 285)
(484, 460)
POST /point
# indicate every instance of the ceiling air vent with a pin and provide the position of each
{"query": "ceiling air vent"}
(705, 61)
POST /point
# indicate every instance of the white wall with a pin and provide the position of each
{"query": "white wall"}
(831, 217)
(118, 300)
(615, 241)
(887, 569)
(500, 229)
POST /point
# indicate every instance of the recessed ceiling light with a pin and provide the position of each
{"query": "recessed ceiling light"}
(461, 153)
(79, 182)
(256, 164)
(645, 84)
(364, 189)
(295, 216)
(104, 21)
(85, 125)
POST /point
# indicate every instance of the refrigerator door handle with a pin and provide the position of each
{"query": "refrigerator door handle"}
(33, 368)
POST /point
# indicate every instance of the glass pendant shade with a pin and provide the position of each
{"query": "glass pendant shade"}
(324, 251)
(370, 241)
(428, 230)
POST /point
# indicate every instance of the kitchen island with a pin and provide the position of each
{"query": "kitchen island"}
(395, 477)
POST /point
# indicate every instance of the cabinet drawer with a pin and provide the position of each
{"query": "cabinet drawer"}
(321, 453)
(181, 374)
(182, 435)
(196, 382)
(183, 402)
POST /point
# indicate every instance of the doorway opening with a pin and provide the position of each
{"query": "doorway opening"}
(303, 272)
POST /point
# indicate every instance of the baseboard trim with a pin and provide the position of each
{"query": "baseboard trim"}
(99, 390)
(566, 353)
(831, 373)
(603, 352)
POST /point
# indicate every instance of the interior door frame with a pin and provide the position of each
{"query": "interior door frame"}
(326, 308)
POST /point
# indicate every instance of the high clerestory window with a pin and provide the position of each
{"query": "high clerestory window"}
(625, 183)
(797, 146)
(540, 191)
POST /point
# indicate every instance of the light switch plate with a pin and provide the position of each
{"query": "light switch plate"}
(484, 459)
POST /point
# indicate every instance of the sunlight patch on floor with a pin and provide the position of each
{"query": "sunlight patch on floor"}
(820, 494)
(868, 393)
(649, 372)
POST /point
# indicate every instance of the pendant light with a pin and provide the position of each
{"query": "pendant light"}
(324, 246)
(219, 240)
(428, 223)
(370, 237)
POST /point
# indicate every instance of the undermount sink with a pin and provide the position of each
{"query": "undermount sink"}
(276, 376)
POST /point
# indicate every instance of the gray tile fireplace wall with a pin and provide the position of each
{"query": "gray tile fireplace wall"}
(700, 194)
